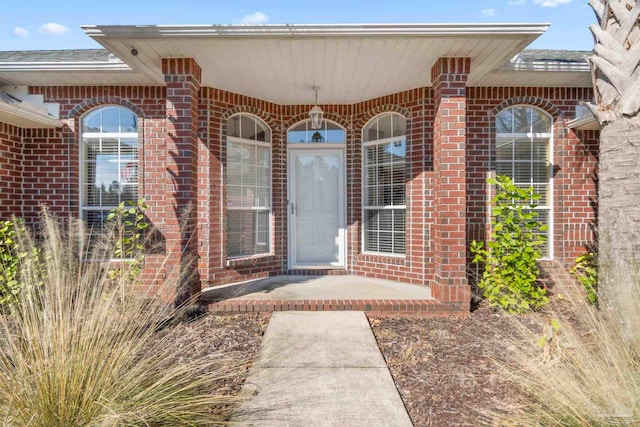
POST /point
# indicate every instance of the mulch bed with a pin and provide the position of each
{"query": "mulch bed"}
(237, 337)
(444, 367)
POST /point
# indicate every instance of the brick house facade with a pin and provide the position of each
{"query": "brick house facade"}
(182, 158)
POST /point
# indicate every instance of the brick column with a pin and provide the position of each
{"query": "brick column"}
(182, 77)
(449, 78)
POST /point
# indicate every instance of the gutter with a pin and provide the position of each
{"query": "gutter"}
(63, 66)
(584, 123)
(311, 30)
(572, 67)
(31, 113)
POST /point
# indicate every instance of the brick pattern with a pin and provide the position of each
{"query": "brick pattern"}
(575, 164)
(182, 78)
(196, 150)
(449, 78)
(11, 179)
(216, 107)
(149, 104)
(398, 308)
(50, 174)
(412, 267)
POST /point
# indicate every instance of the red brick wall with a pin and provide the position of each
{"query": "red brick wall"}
(182, 77)
(449, 77)
(149, 104)
(10, 171)
(48, 171)
(54, 154)
(575, 158)
(216, 107)
(415, 106)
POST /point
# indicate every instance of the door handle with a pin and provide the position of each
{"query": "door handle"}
(294, 209)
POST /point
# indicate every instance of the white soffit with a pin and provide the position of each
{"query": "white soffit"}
(350, 63)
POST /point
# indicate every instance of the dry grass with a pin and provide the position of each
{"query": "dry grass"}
(76, 351)
(582, 368)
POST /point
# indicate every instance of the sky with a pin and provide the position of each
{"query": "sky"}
(49, 24)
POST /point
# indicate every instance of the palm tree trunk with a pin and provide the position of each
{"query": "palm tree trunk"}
(619, 208)
(616, 80)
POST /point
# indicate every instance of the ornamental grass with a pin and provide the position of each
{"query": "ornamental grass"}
(576, 364)
(78, 350)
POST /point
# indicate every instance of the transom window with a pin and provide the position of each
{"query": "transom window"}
(384, 192)
(248, 186)
(329, 133)
(108, 162)
(523, 141)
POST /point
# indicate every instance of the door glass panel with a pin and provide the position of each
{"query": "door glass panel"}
(329, 132)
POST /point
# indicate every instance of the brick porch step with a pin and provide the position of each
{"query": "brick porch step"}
(375, 307)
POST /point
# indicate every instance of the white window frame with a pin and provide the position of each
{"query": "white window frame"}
(549, 162)
(82, 175)
(365, 207)
(270, 238)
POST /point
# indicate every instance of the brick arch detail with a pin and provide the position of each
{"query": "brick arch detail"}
(305, 116)
(254, 111)
(100, 101)
(381, 109)
(532, 101)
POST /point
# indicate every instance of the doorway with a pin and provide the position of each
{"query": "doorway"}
(316, 209)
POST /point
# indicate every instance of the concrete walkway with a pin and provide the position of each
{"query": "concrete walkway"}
(321, 369)
(347, 287)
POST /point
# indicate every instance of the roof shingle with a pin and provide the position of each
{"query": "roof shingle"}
(67, 55)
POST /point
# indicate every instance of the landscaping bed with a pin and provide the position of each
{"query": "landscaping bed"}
(237, 337)
(444, 367)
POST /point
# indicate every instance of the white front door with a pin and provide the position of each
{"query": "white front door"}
(317, 236)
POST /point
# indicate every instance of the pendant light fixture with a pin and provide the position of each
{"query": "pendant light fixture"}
(316, 113)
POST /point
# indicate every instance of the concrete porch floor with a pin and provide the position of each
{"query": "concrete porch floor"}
(325, 293)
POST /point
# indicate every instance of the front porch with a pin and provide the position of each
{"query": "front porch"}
(327, 293)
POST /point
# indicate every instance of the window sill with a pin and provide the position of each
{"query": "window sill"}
(382, 258)
(251, 260)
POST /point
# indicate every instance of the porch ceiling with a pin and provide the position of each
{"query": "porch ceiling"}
(350, 63)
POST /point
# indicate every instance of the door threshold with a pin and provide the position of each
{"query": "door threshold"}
(308, 271)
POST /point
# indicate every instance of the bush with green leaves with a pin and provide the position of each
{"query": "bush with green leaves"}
(585, 270)
(509, 280)
(9, 253)
(129, 225)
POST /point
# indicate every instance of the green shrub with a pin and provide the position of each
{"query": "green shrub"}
(510, 277)
(586, 271)
(9, 285)
(76, 353)
(11, 254)
(129, 225)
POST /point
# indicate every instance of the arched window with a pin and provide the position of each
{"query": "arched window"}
(384, 170)
(523, 153)
(248, 186)
(329, 133)
(108, 162)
